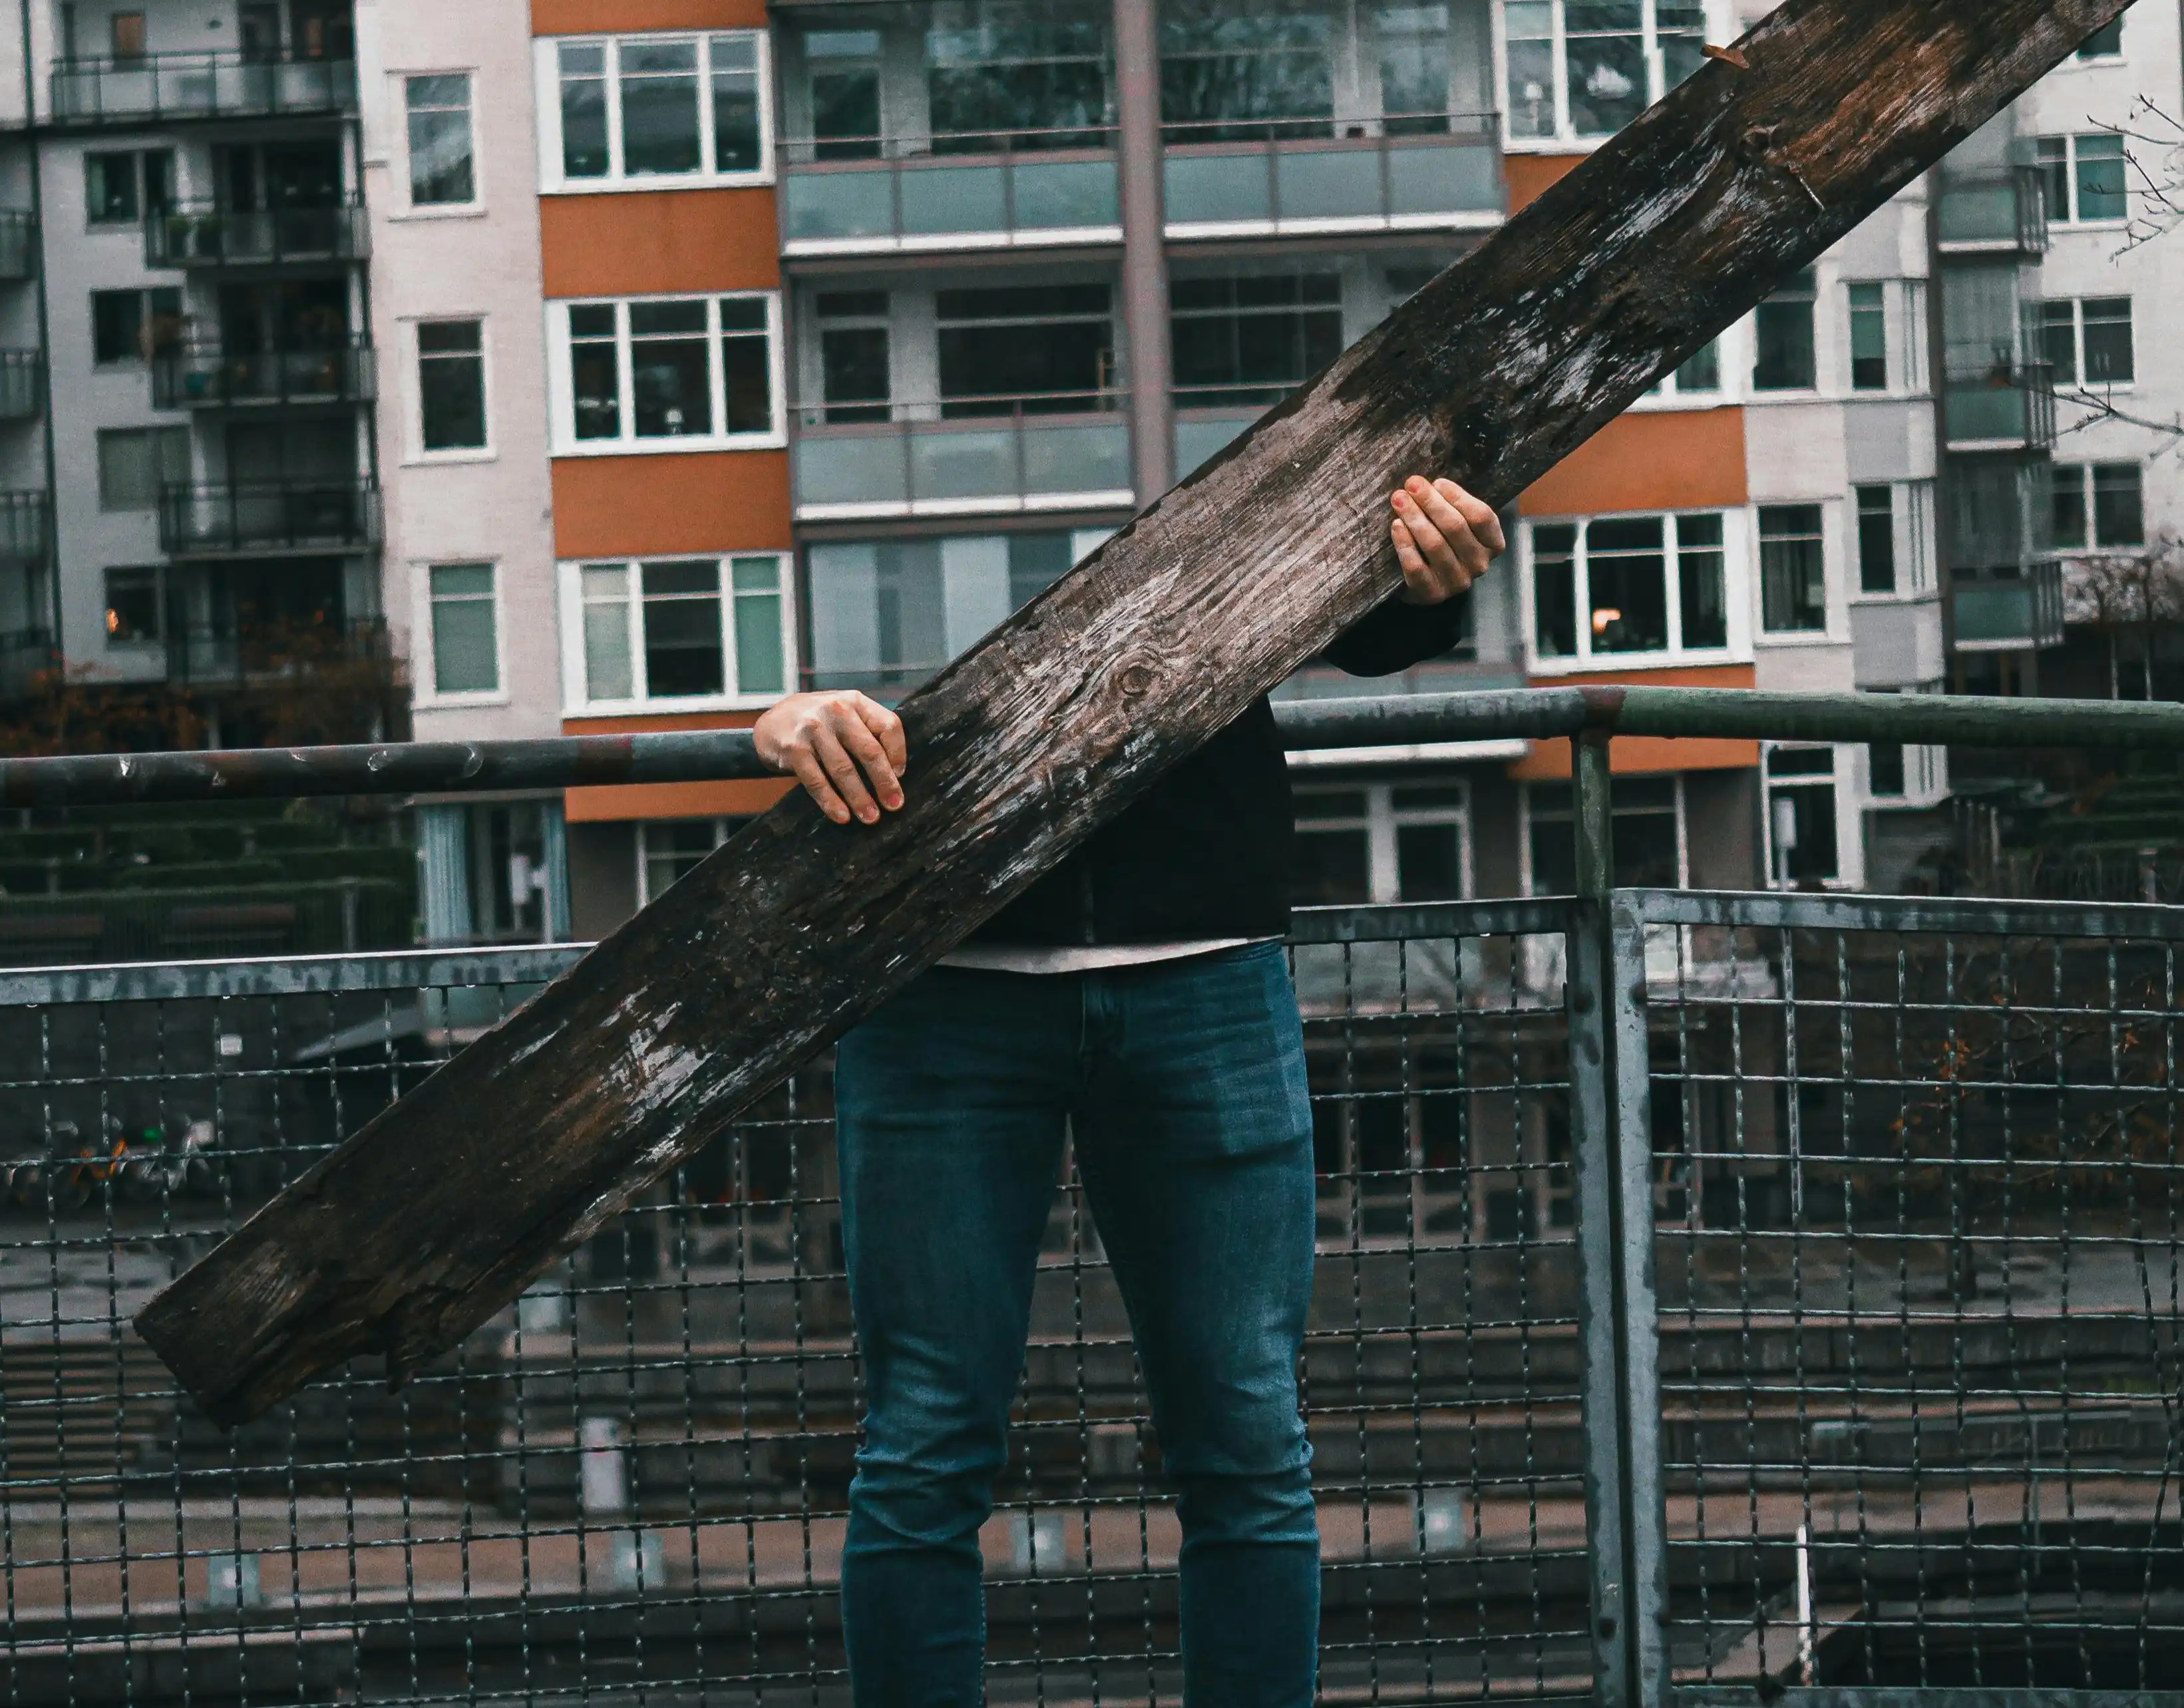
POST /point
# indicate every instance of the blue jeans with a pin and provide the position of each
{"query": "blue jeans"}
(1184, 1085)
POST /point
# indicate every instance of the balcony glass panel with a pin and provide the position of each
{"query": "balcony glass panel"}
(1443, 181)
(1062, 193)
(1198, 441)
(953, 199)
(1094, 457)
(962, 465)
(181, 85)
(1328, 183)
(837, 206)
(859, 470)
(1202, 188)
(1979, 214)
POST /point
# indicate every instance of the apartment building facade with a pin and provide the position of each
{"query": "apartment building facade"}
(703, 350)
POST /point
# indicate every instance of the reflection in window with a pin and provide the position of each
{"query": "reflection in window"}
(1648, 814)
(1248, 341)
(1380, 844)
(441, 170)
(844, 70)
(683, 629)
(854, 376)
(1801, 818)
(1869, 339)
(595, 370)
(1625, 585)
(1793, 584)
(1876, 539)
(1416, 67)
(1024, 349)
(1229, 74)
(698, 368)
(1783, 358)
(1018, 76)
(646, 106)
(465, 650)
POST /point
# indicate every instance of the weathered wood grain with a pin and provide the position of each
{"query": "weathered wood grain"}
(435, 1215)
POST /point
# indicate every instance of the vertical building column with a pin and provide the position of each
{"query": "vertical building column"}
(1144, 256)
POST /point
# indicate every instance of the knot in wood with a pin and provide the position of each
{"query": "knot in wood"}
(1136, 680)
(1756, 145)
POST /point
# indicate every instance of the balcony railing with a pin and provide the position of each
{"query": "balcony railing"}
(1999, 211)
(208, 376)
(208, 235)
(963, 455)
(22, 385)
(25, 655)
(258, 519)
(26, 529)
(19, 245)
(213, 655)
(932, 192)
(225, 85)
(1414, 172)
(2020, 613)
(848, 195)
(2005, 405)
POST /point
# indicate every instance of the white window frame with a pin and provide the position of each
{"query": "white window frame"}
(1926, 769)
(1527, 879)
(1733, 351)
(578, 700)
(1834, 554)
(2123, 50)
(1382, 819)
(560, 378)
(2082, 382)
(2070, 140)
(399, 106)
(546, 78)
(1719, 27)
(413, 450)
(426, 688)
(1845, 778)
(1738, 565)
(2090, 546)
(1913, 513)
(645, 898)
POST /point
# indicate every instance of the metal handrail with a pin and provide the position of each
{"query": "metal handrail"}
(802, 152)
(714, 755)
(989, 406)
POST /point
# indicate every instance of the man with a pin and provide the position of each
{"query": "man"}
(1138, 996)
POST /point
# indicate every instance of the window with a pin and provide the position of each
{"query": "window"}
(2097, 506)
(1869, 338)
(843, 67)
(886, 614)
(668, 850)
(442, 165)
(119, 188)
(680, 629)
(1783, 338)
(135, 462)
(1231, 77)
(1381, 842)
(1586, 68)
(126, 35)
(1876, 539)
(1018, 77)
(629, 111)
(1801, 817)
(2104, 43)
(854, 375)
(1793, 584)
(132, 607)
(1246, 341)
(1620, 585)
(1034, 348)
(687, 373)
(2088, 341)
(1700, 377)
(451, 410)
(465, 629)
(2082, 178)
(130, 326)
(1648, 835)
(1418, 63)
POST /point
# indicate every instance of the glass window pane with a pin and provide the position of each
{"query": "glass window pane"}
(584, 152)
(451, 386)
(1416, 65)
(1701, 373)
(2052, 155)
(760, 668)
(659, 86)
(1682, 26)
(2119, 507)
(1554, 590)
(1701, 581)
(2110, 359)
(132, 606)
(1606, 47)
(1429, 862)
(735, 103)
(128, 470)
(1332, 868)
(2104, 43)
(1628, 573)
(1792, 569)
(1233, 76)
(607, 671)
(747, 371)
(594, 371)
(440, 155)
(109, 186)
(464, 660)
(671, 394)
(2058, 326)
(1869, 339)
(1019, 76)
(1531, 80)
(2067, 517)
(683, 651)
(1876, 539)
(1784, 328)
(2101, 178)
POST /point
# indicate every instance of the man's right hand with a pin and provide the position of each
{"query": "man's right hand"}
(847, 751)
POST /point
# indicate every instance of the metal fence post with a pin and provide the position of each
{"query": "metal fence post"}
(1617, 1322)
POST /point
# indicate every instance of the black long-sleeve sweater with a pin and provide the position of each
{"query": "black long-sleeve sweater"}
(1205, 854)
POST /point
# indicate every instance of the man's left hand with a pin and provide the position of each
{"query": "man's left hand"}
(1445, 539)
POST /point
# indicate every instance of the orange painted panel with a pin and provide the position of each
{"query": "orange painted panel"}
(631, 243)
(706, 501)
(1678, 460)
(605, 17)
(741, 798)
(1532, 175)
(1638, 755)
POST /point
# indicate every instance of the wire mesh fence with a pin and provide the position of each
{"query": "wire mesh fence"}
(631, 1486)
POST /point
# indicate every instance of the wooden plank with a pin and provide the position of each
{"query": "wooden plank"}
(434, 1217)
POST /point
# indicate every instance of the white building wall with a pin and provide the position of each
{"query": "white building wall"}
(495, 506)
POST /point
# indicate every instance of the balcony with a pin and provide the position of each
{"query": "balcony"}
(18, 246)
(1420, 172)
(2010, 613)
(22, 385)
(2000, 210)
(207, 377)
(251, 655)
(25, 527)
(964, 456)
(859, 196)
(2006, 405)
(25, 655)
(158, 88)
(207, 235)
(269, 518)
